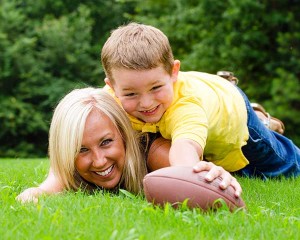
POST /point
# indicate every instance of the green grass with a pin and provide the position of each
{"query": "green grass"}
(273, 212)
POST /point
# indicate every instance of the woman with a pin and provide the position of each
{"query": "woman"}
(93, 146)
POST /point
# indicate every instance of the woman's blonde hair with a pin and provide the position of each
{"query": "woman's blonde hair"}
(66, 132)
(138, 47)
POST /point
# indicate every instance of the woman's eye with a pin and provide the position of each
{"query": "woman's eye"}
(106, 142)
(83, 150)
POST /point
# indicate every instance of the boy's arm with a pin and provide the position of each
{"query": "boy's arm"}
(185, 152)
(50, 185)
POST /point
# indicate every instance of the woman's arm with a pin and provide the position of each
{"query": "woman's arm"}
(50, 185)
(158, 155)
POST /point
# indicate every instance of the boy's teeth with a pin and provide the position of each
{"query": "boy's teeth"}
(151, 110)
(106, 172)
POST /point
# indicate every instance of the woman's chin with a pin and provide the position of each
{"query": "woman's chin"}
(111, 184)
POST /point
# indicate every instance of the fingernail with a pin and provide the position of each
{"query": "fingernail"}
(208, 177)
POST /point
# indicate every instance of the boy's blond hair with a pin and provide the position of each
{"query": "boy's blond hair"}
(137, 47)
(66, 132)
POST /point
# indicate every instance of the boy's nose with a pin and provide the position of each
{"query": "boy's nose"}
(146, 102)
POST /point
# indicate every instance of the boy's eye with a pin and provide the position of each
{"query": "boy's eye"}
(156, 87)
(129, 94)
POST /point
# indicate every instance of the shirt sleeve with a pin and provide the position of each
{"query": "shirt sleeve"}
(186, 119)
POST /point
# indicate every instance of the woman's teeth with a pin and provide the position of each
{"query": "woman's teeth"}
(106, 172)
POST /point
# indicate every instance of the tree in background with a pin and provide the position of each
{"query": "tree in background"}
(49, 47)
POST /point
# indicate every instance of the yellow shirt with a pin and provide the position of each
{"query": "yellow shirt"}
(209, 110)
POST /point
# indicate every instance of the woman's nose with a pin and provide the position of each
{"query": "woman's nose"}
(99, 159)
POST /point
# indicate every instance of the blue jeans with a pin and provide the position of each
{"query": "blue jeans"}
(269, 153)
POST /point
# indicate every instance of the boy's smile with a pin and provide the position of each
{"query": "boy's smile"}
(144, 94)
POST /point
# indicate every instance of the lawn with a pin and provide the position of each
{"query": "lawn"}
(273, 212)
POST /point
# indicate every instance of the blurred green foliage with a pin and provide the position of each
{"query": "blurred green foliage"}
(52, 46)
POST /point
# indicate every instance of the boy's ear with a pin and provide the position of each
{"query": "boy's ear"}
(108, 82)
(175, 70)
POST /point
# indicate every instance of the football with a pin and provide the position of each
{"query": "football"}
(177, 183)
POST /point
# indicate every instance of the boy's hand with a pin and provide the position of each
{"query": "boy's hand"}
(217, 171)
(158, 158)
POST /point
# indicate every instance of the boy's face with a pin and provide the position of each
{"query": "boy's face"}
(144, 94)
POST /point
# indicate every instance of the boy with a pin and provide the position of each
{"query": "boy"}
(204, 115)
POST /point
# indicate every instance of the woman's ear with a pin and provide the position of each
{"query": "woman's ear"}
(175, 70)
(108, 82)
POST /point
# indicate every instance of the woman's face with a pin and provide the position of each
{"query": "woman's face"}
(102, 155)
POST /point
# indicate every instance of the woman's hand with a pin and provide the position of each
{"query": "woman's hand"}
(50, 185)
(217, 171)
(30, 195)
